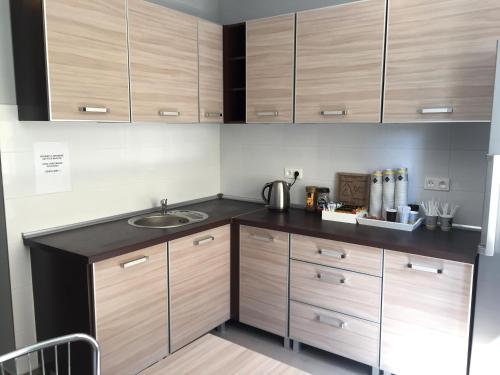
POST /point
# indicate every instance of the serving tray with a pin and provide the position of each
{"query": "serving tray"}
(389, 224)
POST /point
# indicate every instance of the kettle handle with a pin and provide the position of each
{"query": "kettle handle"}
(266, 186)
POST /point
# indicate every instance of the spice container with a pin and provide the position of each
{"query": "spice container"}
(311, 197)
(323, 198)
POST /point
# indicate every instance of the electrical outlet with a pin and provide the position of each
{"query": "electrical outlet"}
(290, 173)
(437, 183)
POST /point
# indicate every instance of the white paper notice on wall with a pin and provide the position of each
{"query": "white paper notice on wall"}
(52, 167)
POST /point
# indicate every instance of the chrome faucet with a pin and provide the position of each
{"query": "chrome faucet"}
(164, 206)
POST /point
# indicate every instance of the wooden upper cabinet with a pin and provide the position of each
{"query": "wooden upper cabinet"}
(339, 63)
(210, 66)
(440, 60)
(131, 310)
(270, 69)
(425, 315)
(163, 64)
(86, 52)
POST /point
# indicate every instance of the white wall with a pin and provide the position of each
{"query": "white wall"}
(254, 154)
(115, 168)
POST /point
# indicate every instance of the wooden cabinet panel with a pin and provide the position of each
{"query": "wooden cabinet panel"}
(426, 314)
(335, 289)
(337, 254)
(339, 63)
(199, 284)
(210, 66)
(270, 69)
(264, 279)
(87, 61)
(337, 333)
(440, 55)
(131, 310)
(163, 64)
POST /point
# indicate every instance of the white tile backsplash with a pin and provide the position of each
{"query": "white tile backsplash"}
(254, 154)
(115, 168)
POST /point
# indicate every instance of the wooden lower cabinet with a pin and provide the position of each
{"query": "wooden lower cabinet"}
(264, 262)
(131, 310)
(199, 280)
(342, 334)
(426, 315)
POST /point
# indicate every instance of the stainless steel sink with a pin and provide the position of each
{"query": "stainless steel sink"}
(171, 219)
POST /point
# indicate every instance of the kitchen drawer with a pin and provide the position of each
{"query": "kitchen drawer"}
(337, 333)
(426, 315)
(334, 289)
(199, 284)
(131, 313)
(264, 260)
(337, 254)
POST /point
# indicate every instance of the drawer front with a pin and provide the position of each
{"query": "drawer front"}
(337, 254)
(426, 315)
(334, 289)
(337, 333)
(264, 262)
(199, 284)
(131, 310)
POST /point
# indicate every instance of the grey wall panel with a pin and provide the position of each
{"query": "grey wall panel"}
(7, 88)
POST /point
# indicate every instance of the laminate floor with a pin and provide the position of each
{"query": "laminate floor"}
(309, 359)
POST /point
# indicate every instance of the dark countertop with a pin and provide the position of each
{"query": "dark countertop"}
(457, 245)
(109, 239)
(106, 240)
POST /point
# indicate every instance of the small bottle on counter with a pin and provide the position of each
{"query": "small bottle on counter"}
(311, 198)
(323, 198)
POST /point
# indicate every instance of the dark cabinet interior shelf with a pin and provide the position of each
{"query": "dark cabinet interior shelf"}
(235, 73)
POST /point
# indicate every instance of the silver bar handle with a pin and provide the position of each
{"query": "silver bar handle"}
(85, 109)
(268, 114)
(203, 240)
(339, 254)
(333, 322)
(436, 110)
(262, 238)
(424, 268)
(134, 262)
(339, 112)
(169, 113)
(213, 114)
(336, 279)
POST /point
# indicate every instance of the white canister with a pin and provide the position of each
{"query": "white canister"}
(401, 189)
(388, 187)
(376, 194)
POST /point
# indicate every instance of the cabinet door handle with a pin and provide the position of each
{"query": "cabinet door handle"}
(169, 113)
(134, 262)
(268, 114)
(430, 111)
(213, 114)
(262, 238)
(339, 254)
(84, 109)
(339, 112)
(333, 322)
(328, 278)
(423, 268)
(203, 240)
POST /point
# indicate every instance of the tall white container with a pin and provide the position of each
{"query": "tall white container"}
(401, 190)
(388, 189)
(376, 186)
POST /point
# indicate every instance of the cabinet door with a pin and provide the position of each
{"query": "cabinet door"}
(339, 63)
(425, 315)
(199, 284)
(87, 60)
(440, 60)
(264, 262)
(163, 64)
(210, 65)
(131, 310)
(270, 68)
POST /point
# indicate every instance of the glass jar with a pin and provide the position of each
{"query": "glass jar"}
(311, 197)
(323, 198)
